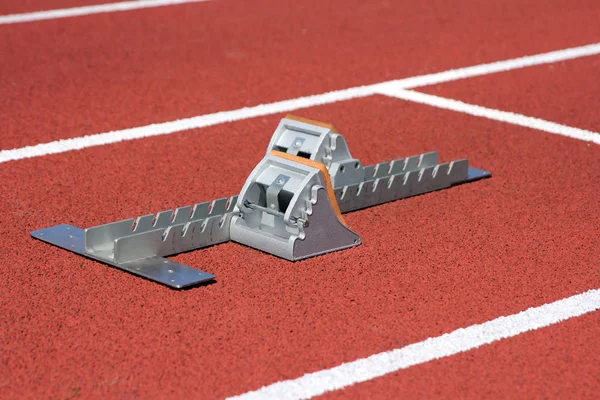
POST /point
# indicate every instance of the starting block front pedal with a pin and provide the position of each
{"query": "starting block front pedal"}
(290, 206)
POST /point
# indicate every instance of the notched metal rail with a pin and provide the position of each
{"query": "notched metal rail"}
(403, 178)
(163, 234)
(157, 269)
(139, 245)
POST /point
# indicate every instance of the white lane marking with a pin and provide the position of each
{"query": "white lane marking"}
(86, 10)
(82, 142)
(458, 341)
(497, 115)
(498, 66)
(165, 128)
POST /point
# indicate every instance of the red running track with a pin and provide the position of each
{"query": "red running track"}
(428, 265)
(564, 92)
(92, 74)
(27, 6)
(559, 362)
(453, 258)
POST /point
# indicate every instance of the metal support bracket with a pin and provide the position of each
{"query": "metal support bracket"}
(157, 269)
(140, 245)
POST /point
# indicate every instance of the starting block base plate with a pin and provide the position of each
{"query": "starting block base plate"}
(157, 269)
(475, 174)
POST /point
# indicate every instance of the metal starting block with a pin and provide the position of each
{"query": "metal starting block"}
(290, 206)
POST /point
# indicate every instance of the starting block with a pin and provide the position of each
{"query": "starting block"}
(290, 206)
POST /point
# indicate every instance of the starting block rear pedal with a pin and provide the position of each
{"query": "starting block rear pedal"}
(290, 206)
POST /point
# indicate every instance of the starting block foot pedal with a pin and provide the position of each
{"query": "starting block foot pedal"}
(288, 208)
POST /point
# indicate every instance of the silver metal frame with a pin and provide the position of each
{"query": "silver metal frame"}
(283, 208)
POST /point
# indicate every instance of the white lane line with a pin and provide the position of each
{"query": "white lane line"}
(165, 128)
(86, 10)
(497, 115)
(499, 66)
(100, 139)
(458, 341)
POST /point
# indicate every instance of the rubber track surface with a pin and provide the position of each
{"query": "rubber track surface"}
(27, 6)
(428, 265)
(558, 362)
(565, 92)
(92, 74)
